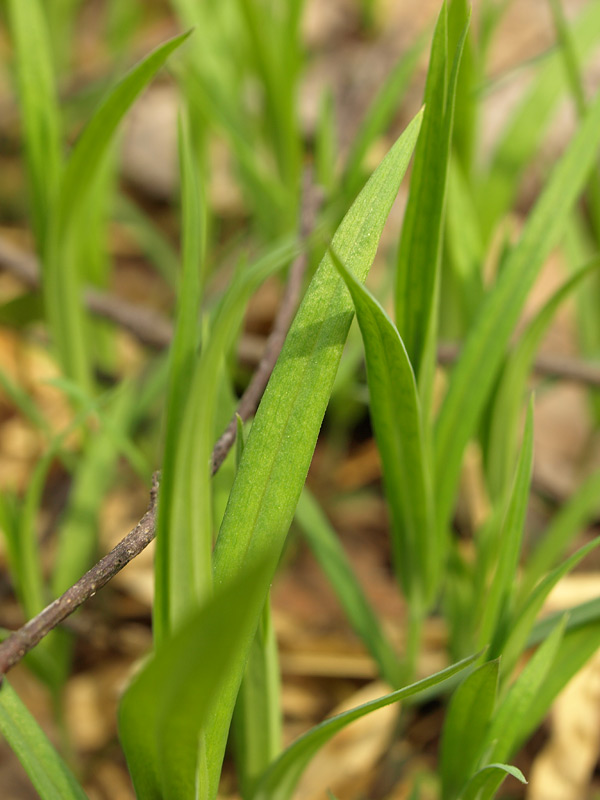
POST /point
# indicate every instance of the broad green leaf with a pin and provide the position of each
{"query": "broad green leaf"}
(332, 559)
(507, 398)
(574, 651)
(566, 524)
(46, 769)
(183, 558)
(283, 436)
(500, 597)
(167, 703)
(522, 136)
(39, 108)
(417, 274)
(474, 374)
(398, 425)
(468, 716)
(485, 783)
(62, 276)
(512, 715)
(526, 614)
(279, 781)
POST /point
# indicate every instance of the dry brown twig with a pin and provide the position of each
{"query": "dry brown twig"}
(154, 330)
(19, 643)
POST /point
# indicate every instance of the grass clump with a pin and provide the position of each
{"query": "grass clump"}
(213, 668)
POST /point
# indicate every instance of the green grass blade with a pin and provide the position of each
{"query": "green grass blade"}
(485, 783)
(62, 275)
(39, 109)
(468, 716)
(526, 615)
(513, 712)
(281, 443)
(280, 780)
(163, 710)
(462, 269)
(187, 505)
(580, 508)
(183, 558)
(574, 651)
(257, 720)
(419, 253)
(332, 559)
(506, 405)
(578, 616)
(500, 597)
(46, 769)
(326, 143)
(473, 376)
(398, 427)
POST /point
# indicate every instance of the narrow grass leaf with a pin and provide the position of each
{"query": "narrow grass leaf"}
(46, 769)
(188, 521)
(468, 716)
(39, 108)
(525, 616)
(462, 273)
(398, 425)
(581, 507)
(167, 703)
(485, 783)
(500, 598)
(62, 275)
(257, 719)
(419, 253)
(334, 562)
(279, 782)
(183, 558)
(513, 713)
(579, 615)
(474, 374)
(283, 436)
(575, 650)
(512, 385)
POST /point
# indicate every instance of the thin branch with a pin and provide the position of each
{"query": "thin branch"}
(149, 327)
(25, 639)
(558, 367)
(154, 330)
(19, 643)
